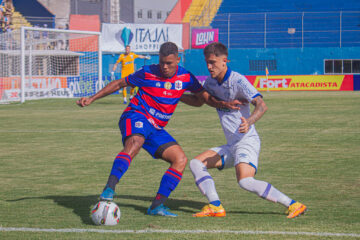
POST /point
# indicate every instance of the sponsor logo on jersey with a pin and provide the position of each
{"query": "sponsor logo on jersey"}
(158, 84)
(178, 85)
(167, 93)
(138, 124)
(168, 85)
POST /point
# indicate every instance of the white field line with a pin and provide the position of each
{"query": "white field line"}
(92, 230)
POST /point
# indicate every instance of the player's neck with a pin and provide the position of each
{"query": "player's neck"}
(221, 76)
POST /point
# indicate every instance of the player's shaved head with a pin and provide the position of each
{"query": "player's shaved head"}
(168, 48)
(216, 48)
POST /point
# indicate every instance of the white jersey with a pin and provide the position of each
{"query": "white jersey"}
(234, 86)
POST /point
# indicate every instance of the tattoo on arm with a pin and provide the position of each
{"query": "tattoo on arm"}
(260, 109)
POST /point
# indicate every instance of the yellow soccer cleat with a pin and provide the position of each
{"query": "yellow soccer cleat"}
(211, 211)
(295, 210)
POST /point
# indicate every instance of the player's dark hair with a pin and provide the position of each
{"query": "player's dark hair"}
(216, 48)
(168, 48)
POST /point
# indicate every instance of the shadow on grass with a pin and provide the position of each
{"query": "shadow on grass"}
(81, 205)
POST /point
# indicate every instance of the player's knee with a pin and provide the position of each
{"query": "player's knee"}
(247, 183)
(195, 165)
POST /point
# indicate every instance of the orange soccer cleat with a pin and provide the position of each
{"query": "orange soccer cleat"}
(296, 209)
(211, 211)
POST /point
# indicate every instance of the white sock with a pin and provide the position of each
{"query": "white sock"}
(264, 190)
(203, 180)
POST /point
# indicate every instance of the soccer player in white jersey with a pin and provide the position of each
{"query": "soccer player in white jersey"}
(243, 143)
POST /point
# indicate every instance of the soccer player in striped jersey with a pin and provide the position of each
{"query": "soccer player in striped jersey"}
(127, 68)
(142, 122)
(243, 143)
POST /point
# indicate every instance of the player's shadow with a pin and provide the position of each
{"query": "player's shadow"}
(81, 205)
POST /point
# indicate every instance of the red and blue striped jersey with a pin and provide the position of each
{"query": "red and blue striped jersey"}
(157, 96)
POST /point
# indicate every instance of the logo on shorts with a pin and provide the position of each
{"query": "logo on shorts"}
(178, 85)
(168, 85)
(138, 124)
(242, 155)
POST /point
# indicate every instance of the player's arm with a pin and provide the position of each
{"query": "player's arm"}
(259, 110)
(117, 62)
(192, 100)
(107, 90)
(214, 102)
(198, 99)
(143, 56)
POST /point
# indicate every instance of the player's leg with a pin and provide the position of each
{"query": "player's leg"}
(246, 162)
(133, 139)
(163, 145)
(132, 93)
(124, 92)
(213, 158)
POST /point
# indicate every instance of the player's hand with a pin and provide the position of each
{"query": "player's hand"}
(244, 126)
(233, 105)
(83, 102)
(148, 57)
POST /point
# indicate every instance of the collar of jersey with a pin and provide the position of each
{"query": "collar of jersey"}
(227, 75)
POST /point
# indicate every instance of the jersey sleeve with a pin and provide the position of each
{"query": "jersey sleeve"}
(194, 85)
(135, 55)
(136, 78)
(120, 59)
(246, 89)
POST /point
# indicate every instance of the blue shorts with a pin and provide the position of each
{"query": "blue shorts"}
(156, 141)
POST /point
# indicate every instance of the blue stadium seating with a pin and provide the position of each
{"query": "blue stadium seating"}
(316, 23)
(35, 13)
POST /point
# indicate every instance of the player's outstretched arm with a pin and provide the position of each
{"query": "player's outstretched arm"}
(213, 102)
(107, 90)
(259, 110)
(192, 100)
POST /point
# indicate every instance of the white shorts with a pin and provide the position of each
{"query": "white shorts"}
(245, 151)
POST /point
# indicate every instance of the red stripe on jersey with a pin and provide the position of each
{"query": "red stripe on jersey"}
(162, 92)
(165, 108)
(128, 127)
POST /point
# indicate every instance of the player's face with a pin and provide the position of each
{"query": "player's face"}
(168, 65)
(216, 66)
(127, 50)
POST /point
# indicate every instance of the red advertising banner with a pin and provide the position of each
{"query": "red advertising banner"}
(202, 37)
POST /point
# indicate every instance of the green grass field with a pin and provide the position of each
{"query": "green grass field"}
(55, 159)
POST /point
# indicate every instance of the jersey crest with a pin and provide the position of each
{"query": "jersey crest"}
(178, 85)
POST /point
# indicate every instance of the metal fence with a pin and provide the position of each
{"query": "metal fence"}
(289, 30)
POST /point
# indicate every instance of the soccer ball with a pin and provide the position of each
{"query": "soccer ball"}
(105, 213)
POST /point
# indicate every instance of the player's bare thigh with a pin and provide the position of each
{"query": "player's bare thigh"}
(133, 145)
(244, 170)
(210, 159)
(176, 157)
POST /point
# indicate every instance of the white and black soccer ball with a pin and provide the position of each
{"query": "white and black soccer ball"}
(105, 213)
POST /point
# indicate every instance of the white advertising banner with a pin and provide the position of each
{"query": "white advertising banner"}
(140, 37)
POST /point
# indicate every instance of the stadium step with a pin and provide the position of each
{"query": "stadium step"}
(201, 12)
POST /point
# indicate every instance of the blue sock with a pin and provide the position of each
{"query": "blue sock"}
(216, 203)
(120, 166)
(168, 183)
(292, 202)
